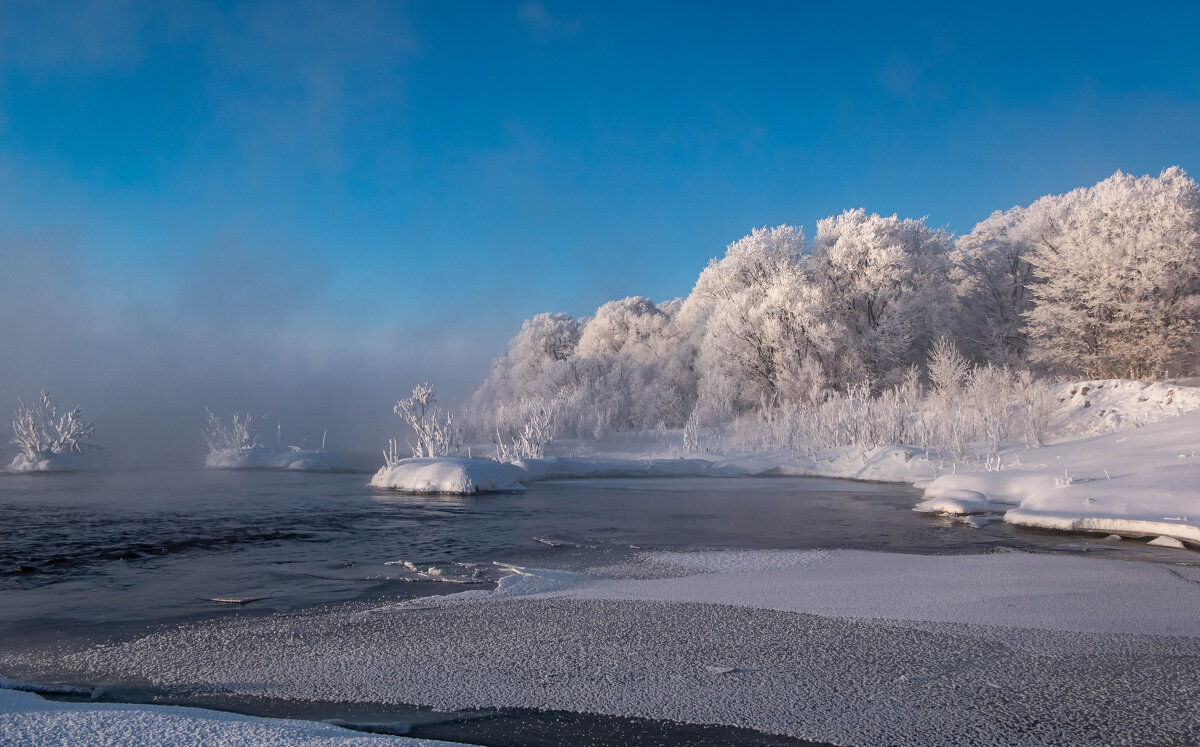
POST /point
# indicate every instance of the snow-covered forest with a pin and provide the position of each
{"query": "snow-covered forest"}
(879, 329)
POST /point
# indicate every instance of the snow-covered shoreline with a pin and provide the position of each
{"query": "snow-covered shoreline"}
(1139, 482)
(1139, 477)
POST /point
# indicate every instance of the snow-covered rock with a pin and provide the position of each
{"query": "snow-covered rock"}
(955, 501)
(1166, 542)
(459, 475)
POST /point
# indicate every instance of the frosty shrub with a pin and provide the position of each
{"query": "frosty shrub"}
(40, 432)
(241, 433)
(968, 412)
(530, 431)
(434, 432)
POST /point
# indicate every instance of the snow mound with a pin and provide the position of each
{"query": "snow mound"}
(955, 502)
(273, 457)
(457, 475)
(27, 719)
(1166, 542)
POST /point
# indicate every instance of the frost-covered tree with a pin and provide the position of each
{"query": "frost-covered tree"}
(633, 326)
(241, 433)
(633, 367)
(623, 368)
(536, 364)
(41, 433)
(887, 282)
(992, 275)
(765, 336)
(1117, 277)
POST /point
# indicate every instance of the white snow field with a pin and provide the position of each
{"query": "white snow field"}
(29, 720)
(839, 646)
(273, 457)
(1092, 408)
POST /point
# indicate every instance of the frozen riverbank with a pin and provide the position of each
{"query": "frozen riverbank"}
(844, 647)
(1140, 482)
(1124, 458)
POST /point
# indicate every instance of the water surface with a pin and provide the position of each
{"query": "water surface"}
(117, 548)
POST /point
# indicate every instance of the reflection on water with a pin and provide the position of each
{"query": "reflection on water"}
(143, 547)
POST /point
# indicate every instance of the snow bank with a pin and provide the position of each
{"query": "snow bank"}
(1140, 482)
(1093, 408)
(273, 457)
(459, 475)
(27, 719)
(469, 476)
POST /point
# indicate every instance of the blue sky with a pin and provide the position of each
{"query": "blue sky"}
(411, 180)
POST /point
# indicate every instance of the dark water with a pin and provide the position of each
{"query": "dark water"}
(114, 548)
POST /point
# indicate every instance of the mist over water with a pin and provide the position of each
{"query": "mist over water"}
(144, 373)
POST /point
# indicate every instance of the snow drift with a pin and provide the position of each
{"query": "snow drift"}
(1139, 482)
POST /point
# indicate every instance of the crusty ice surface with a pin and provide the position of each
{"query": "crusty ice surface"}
(1006, 648)
(30, 721)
